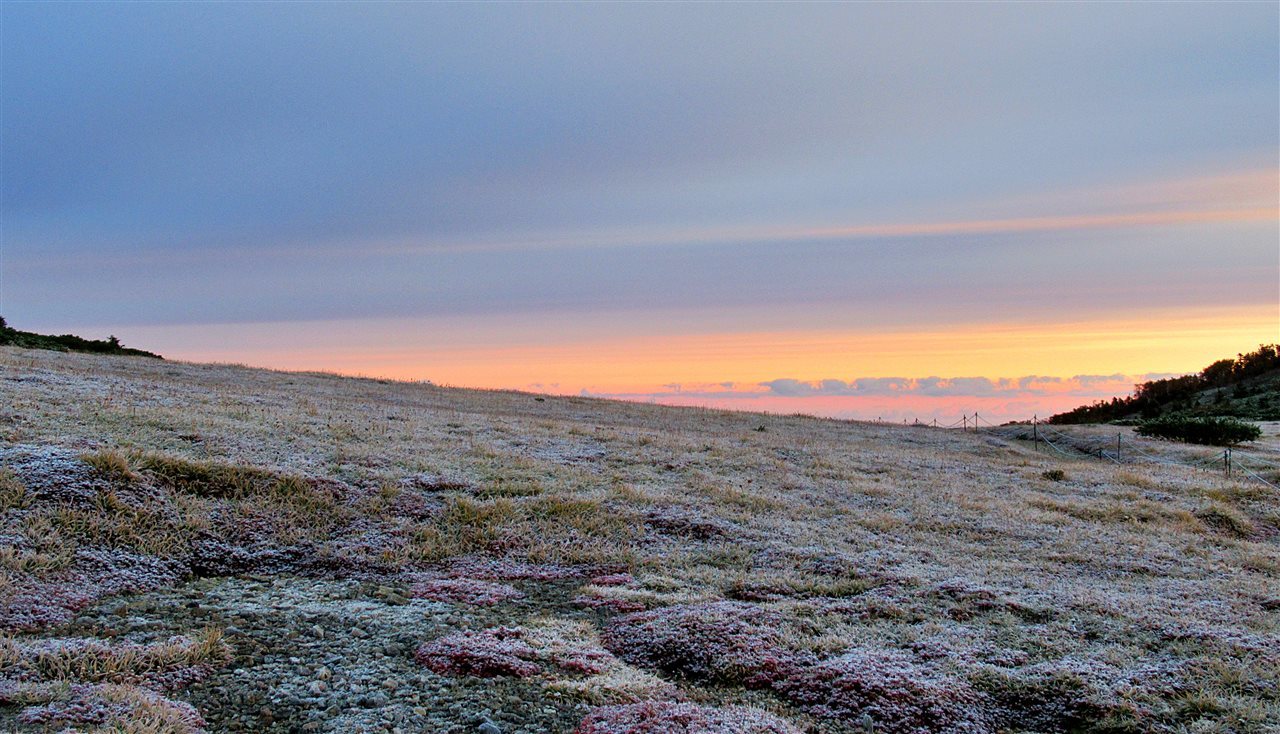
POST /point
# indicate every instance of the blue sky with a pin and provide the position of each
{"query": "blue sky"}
(183, 165)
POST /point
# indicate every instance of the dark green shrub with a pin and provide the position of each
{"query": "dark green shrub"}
(10, 336)
(1201, 430)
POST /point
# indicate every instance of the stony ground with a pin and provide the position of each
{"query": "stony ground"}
(213, 548)
(325, 655)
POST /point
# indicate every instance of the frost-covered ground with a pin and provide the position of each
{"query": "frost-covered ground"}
(199, 547)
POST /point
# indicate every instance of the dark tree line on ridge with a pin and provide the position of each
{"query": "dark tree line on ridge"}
(1245, 387)
(66, 342)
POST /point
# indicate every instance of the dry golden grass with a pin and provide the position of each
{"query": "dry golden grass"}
(97, 662)
(111, 686)
(13, 495)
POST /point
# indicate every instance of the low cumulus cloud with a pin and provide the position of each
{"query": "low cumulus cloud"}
(1088, 381)
(924, 399)
(948, 386)
(787, 387)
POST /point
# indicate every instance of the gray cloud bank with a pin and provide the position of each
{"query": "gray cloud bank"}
(239, 162)
(946, 386)
(1029, 386)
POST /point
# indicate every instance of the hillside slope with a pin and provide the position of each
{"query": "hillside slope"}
(1247, 386)
(227, 549)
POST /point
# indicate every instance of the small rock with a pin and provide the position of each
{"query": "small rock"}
(391, 596)
(488, 727)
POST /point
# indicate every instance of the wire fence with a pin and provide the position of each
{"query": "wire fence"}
(1117, 450)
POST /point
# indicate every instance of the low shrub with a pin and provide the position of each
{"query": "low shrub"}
(105, 707)
(888, 691)
(686, 524)
(213, 479)
(765, 588)
(168, 664)
(464, 591)
(1226, 519)
(508, 569)
(555, 647)
(1041, 700)
(682, 718)
(500, 651)
(727, 641)
(613, 579)
(609, 603)
(1207, 431)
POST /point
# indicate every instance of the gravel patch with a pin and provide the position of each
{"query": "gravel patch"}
(334, 656)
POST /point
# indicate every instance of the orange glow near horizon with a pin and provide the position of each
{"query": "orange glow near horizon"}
(461, 353)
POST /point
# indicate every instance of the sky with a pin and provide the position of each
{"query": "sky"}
(899, 211)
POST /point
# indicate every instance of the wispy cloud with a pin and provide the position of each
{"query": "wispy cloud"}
(1165, 204)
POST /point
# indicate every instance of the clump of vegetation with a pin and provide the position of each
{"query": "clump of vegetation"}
(547, 645)
(105, 707)
(763, 587)
(1054, 475)
(894, 694)
(1227, 519)
(13, 494)
(500, 651)
(1207, 431)
(510, 569)
(1119, 509)
(66, 343)
(683, 523)
(593, 599)
(112, 463)
(655, 716)
(727, 641)
(215, 480)
(94, 661)
(64, 683)
(544, 529)
(464, 591)
(1043, 700)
